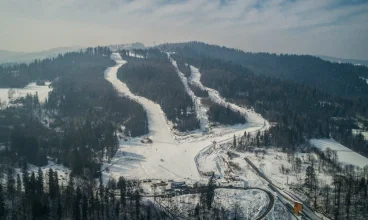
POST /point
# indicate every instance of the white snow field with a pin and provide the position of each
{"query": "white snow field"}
(250, 203)
(132, 54)
(165, 158)
(364, 133)
(345, 155)
(159, 131)
(200, 110)
(63, 172)
(32, 88)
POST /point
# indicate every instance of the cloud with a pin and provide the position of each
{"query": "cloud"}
(329, 27)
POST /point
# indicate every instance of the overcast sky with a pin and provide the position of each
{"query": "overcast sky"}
(322, 27)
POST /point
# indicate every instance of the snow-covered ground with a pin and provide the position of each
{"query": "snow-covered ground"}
(250, 115)
(159, 131)
(345, 155)
(364, 133)
(132, 54)
(272, 162)
(201, 111)
(63, 172)
(32, 88)
(249, 204)
(165, 158)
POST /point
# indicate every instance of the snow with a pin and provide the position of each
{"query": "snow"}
(63, 172)
(214, 95)
(166, 158)
(365, 79)
(201, 111)
(364, 133)
(132, 54)
(345, 155)
(251, 203)
(32, 88)
(158, 128)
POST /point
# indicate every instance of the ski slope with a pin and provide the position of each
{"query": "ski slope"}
(344, 154)
(252, 117)
(164, 158)
(201, 111)
(159, 131)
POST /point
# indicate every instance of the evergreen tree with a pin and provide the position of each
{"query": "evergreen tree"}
(51, 184)
(2, 203)
(76, 204)
(310, 178)
(19, 185)
(25, 178)
(40, 181)
(10, 184)
(234, 142)
(137, 199)
(210, 194)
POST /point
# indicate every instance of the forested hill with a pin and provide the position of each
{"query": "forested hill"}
(300, 112)
(339, 79)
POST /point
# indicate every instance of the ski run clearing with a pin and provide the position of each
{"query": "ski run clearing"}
(166, 157)
(175, 158)
(201, 111)
(253, 118)
(10, 94)
(344, 154)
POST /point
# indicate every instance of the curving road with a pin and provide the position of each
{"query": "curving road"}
(307, 211)
(198, 190)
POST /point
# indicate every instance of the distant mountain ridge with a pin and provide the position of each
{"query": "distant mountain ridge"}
(342, 60)
(26, 57)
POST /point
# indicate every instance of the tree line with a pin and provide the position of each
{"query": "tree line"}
(45, 196)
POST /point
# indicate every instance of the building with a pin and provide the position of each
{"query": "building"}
(178, 185)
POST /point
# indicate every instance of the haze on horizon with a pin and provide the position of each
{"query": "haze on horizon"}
(325, 27)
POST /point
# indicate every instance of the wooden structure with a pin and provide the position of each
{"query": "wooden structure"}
(298, 207)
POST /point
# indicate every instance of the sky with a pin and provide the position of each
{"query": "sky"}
(321, 27)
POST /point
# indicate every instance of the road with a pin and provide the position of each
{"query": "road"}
(198, 190)
(307, 211)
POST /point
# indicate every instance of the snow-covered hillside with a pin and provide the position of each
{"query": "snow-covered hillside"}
(250, 115)
(345, 155)
(164, 158)
(201, 111)
(32, 88)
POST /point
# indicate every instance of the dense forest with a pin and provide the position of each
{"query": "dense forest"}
(300, 112)
(155, 78)
(340, 79)
(19, 75)
(81, 118)
(43, 196)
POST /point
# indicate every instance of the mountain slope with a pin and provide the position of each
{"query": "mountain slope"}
(339, 79)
